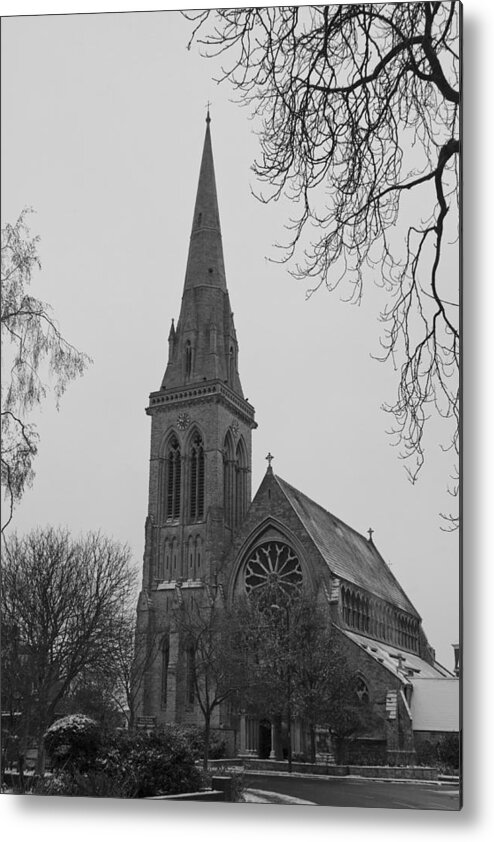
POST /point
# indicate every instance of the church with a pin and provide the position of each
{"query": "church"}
(204, 527)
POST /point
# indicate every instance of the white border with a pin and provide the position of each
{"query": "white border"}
(80, 819)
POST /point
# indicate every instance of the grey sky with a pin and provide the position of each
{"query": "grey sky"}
(102, 133)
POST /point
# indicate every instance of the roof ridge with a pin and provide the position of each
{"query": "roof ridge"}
(335, 517)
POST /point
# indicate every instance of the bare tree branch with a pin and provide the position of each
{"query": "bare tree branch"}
(359, 109)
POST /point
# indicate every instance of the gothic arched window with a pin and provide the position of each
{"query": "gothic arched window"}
(167, 555)
(160, 572)
(240, 482)
(190, 558)
(344, 605)
(228, 478)
(197, 555)
(361, 690)
(358, 613)
(196, 479)
(173, 480)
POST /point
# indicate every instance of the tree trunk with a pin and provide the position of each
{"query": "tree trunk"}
(41, 758)
(131, 720)
(207, 734)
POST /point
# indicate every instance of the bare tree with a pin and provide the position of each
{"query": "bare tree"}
(215, 665)
(132, 655)
(34, 353)
(359, 115)
(61, 609)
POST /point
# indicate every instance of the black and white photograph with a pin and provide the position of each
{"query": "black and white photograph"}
(231, 407)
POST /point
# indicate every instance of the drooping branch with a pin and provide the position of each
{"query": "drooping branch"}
(35, 356)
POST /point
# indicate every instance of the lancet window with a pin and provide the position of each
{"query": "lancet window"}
(240, 482)
(173, 480)
(174, 558)
(235, 481)
(228, 478)
(167, 552)
(160, 570)
(190, 558)
(193, 562)
(361, 690)
(196, 479)
(197, 557)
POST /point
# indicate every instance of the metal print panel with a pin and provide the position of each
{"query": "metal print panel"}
(292, 633)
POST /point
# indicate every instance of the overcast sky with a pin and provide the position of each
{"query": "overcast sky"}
(102, 132)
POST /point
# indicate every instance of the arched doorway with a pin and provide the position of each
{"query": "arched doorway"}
(264, 739)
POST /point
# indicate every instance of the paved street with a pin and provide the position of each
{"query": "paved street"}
(360, 793)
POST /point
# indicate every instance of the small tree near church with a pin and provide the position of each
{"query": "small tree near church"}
(215, 666)
(297, 668)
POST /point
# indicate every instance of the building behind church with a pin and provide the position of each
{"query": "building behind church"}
(202, 527)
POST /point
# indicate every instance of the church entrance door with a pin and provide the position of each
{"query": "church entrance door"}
(264, 738)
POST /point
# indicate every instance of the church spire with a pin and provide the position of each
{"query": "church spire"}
(204, 345)
(205, 263)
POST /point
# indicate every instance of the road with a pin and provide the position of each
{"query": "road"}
(341, 792)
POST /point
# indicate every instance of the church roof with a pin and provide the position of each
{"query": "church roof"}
(348, 554)
(400, 662)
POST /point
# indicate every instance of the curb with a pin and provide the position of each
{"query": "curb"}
(262, 796)
(440, 781)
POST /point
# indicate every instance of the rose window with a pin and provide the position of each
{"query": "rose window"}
(275, 566)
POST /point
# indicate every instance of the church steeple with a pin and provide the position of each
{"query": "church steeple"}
(200, 455)
(204, 346)
(205, 264)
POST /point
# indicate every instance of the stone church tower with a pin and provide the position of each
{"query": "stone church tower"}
(200, 462)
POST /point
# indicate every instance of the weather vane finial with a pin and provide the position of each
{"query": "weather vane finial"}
(208, 118)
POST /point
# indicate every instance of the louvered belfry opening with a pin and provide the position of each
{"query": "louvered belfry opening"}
(196, 488)
(173, 472)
